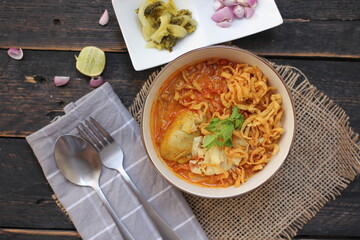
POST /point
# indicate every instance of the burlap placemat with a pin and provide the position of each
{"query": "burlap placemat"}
(324, 160)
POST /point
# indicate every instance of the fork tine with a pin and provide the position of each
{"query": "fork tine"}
(88, 136)
(97, 133)
(82, 133)
(105, 134)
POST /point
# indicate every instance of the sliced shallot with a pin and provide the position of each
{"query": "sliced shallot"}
(15, 53)
(96, 81)
(224, 24)
(248, 3)
(243, 3)
(223, 15)
(227, 10)
(104, 19)
(61, 80)
(248, 12)
(252, 3)
(230, 2)
(239, 11)
(218, 4)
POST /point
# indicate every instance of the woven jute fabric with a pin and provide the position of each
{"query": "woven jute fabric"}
(325, 158)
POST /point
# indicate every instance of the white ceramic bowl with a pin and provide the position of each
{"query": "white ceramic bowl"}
(240, 56)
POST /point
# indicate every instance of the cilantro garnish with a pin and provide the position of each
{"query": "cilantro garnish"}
(222, 130)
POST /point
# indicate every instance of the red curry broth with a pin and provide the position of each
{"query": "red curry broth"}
(210, 85)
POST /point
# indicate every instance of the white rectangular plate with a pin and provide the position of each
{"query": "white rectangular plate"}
(266, 16)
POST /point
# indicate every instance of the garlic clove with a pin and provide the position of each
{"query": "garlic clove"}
(15, 53)
(218, 5)
(239, 11)
(104, 19)
(224, 14)
(61, 80)
(96, 81)
(248, 12)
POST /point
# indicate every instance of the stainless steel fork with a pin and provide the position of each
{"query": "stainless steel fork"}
(112, 157)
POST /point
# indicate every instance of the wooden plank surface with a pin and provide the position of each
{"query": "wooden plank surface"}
(338, 10)
(298, 38)
(71, 25)
(339, 217)
(25, 196)
(318, 37)
(28, 91)
(26, 199)
(27, 234)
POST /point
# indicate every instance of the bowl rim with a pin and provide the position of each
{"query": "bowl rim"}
(267, 63)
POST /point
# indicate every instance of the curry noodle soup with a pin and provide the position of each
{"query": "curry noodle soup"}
(216, 123)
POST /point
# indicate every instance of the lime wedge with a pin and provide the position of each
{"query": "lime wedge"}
(91, 61)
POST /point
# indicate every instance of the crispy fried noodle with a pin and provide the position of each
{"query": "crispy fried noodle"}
(217, 123)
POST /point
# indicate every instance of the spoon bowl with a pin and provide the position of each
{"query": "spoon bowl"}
(77, 160)
(80, 163)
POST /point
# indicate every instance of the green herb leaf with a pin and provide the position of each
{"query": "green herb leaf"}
(209, 141)
(235, 113)
(237, 117)
(214, 124)
(222, 130)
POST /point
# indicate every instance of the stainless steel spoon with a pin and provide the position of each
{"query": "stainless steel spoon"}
(80, 163)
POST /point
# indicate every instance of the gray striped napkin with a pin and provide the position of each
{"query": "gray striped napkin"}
(87, 213)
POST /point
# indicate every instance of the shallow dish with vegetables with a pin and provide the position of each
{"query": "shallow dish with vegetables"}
(218, 122)
(207, 31)
(162, 24)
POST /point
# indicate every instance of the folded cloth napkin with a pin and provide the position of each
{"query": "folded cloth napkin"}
(87, 213)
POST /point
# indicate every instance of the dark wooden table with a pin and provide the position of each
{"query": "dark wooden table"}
(322, 38)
